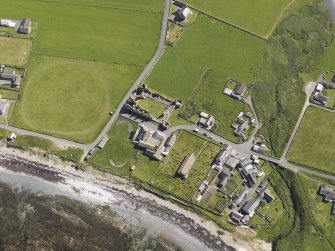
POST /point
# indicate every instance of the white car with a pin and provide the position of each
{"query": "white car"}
(196, 130)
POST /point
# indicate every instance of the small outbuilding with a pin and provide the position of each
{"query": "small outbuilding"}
(25, 26)
(239, 89)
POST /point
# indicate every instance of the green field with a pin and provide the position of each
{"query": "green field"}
(103, 34)
(320, 209)
(208, 97)
(314, 144)
(186, 143)
(259, 16)
(71, 98)
(206, 44)
(278, 94)
(14, 51)
(119, 154)
(308, 232)
(143, 5)
(45, 145)
(154, 107)
(8, 94)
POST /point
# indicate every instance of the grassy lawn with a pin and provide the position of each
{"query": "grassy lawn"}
(71, 98)
(8, 94)
(331, 100)
(14, 51)
(174, 32)
(278, 94)
(208, 97)
(154, 107)
(113, 35)
(315, 141)
(186, 143)
(258, 17)
(320, 210)
(143, 5)
(272, 211)
(306, 232)
(32, 142)
(206, 44)
(119, 152)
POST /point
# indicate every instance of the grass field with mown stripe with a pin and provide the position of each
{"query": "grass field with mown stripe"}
(14, 51)
(142, 5)
(119, 154)
(260, 16)
(71, 98)
(207, 44)
(84, 32)
(314, 144)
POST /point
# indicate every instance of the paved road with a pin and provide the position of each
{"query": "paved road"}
(309, 88)
(244, 148)
(148, 68)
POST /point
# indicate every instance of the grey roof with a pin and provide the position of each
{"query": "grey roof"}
(268, 197)
(240, 89)
(179, 4)
(223, 154)
(251, 179)
(322, 98)
(241, 196)
(328, 192)
(170, 141)
(8, 71)
(250, 206)
(232, 162)
(236, 216)
(223, 176)
(333, 210)
(249, 115)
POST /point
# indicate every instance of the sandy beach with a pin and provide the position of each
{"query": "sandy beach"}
(49, 175)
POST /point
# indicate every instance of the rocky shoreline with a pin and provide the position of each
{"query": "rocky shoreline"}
(104, 189)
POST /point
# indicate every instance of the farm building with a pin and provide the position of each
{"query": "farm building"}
(3, 108)
(232, 162)
(239, 89)
(182, 14)
(103, 142)
(7, 23)
(168, 145)
(179, 4)
(25, 26)
(328, 193)
(223, 176)
(150, 140)
(323, 99)
(250, 206)
(12, 77)
(267, 196)
(236, 216)
(223, 155)
(238, 198)
(186, 165)
(319, 88)
(206, 120)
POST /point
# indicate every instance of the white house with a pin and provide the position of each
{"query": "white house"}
(319, 88)
(7, 23)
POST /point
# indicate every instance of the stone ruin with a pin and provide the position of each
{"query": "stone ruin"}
(143, 92)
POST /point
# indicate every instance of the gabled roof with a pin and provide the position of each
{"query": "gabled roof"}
(240, 89)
